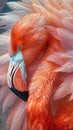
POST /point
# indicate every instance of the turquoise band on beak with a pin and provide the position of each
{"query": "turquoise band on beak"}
(14, 60)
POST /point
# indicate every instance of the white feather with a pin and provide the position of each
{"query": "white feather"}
(4, 43)
(3, 79)
(61, 58)
(19, 117)
(67, 24)
(3, 92)
(9, 101)
(4, 62)
(66, 37)
(25, 125)
(11, 114)
(67, 67)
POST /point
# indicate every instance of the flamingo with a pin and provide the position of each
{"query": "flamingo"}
(41, 68)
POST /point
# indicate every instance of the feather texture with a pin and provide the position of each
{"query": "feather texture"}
(9, 101)
(11, 115)
(58, 15)
(65, 88)
(3, 92)
(18, 118)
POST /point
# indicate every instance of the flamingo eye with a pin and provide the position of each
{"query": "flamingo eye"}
(20, 47)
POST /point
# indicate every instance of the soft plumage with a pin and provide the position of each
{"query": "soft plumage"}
(47, 37)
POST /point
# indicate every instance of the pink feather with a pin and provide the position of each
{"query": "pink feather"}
(65, 88)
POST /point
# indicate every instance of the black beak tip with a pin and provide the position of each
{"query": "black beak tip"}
(23, 95)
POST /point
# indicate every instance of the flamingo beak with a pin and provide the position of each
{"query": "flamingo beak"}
(16, 76)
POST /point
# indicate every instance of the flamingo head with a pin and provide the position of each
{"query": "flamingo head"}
(27, 41)
(16, 77)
